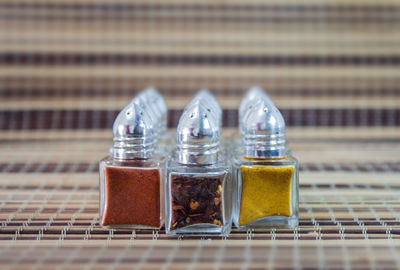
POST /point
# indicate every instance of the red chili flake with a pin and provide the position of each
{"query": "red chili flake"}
(196, 200)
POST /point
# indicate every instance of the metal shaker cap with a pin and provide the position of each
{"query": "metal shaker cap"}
(249, 99)
(143, 103)
(159, 104)
(146, 101)
(134, 133)
(264, 131)
(252, 95)
(198, 137)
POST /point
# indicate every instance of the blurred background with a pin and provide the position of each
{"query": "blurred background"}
(69, 64)
(332, 67)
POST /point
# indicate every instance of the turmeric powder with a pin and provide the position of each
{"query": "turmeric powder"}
(266, 191)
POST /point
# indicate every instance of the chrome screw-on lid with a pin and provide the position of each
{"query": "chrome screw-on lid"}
(254, 94)
(134, 133)
(198, 136)
(264, 131)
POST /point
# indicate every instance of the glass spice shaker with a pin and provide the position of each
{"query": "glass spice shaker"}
(167, 140)
(252, 95)
(158, 103)
(265, 174)
(209, 101)
(131, 177)
(198, 187)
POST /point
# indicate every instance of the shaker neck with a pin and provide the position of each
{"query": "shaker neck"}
(264, 146)
(133, 148)
(197, 155)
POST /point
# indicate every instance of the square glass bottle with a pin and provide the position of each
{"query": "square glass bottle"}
(131, 177)
(198, 199)
(132, 193)
(198, 187)
(265, 174)
(266, 192)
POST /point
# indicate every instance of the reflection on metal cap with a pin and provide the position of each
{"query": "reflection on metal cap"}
(143, 102)
(158, 103)
(254, 94)
(209, 101)
(200, 101)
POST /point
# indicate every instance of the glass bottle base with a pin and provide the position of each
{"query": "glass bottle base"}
(273, 222)
(201, 230)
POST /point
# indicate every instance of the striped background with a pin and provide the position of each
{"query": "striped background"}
(67, 67)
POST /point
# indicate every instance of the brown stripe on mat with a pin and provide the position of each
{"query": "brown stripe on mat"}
(110, 7)
(188, 86)
(83, 167)
(143, 59)
(180, 16)
(103, 119)
(93, 91)
(294, 20)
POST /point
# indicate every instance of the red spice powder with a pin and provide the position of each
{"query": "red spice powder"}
(132, 197)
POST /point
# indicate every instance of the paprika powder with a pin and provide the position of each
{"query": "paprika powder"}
(133, 196)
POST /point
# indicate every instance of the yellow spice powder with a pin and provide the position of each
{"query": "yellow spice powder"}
(266, 191)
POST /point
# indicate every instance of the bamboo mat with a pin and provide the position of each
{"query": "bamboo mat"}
(68, 67)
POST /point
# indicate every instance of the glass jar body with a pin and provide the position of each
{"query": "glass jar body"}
(266, 192)
(198, 199)
(132, 193)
